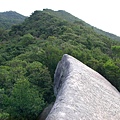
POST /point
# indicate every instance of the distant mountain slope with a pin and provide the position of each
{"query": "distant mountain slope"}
(9, 18)
(67, 16)
(63, 15)
(110, 35)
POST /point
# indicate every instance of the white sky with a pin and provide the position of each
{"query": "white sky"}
(103, 14)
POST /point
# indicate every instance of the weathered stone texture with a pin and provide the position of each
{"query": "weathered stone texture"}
(82, 93)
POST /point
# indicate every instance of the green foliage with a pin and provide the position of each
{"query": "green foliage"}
(9, 18)
(39, 76)
(42, 24)
(4, 116)
(25, 102)
(113, 71)
(116, 51)
(26, 40)
(29, 54)
(3, 35)
(5, 82)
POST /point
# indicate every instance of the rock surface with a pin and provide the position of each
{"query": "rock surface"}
(82, 94)
(45, 112)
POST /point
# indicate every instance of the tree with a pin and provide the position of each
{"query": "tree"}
(3, 35)
(112, 73)
(39, 76)
(3, 114)
(27, 39)
(5, 81)
(116, 51)
(25, 102)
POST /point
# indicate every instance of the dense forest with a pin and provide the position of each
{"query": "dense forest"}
(10, 18)
(69, 17)
(30, 51)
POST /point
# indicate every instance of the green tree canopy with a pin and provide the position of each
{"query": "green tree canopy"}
(25, 102)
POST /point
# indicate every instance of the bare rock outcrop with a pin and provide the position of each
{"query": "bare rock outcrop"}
(82, 93)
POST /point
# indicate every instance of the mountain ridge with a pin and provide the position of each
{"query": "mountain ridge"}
(63, 14)
(10, 18)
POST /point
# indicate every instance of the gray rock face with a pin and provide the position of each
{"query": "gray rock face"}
(45, 112)
(82, 94)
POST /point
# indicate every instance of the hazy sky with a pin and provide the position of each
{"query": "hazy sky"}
(103, 14)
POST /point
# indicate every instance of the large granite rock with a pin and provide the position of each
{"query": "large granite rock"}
(82, 94)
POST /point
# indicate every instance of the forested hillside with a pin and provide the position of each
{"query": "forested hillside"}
(30, 51)
(9, 18)
(70, 18)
